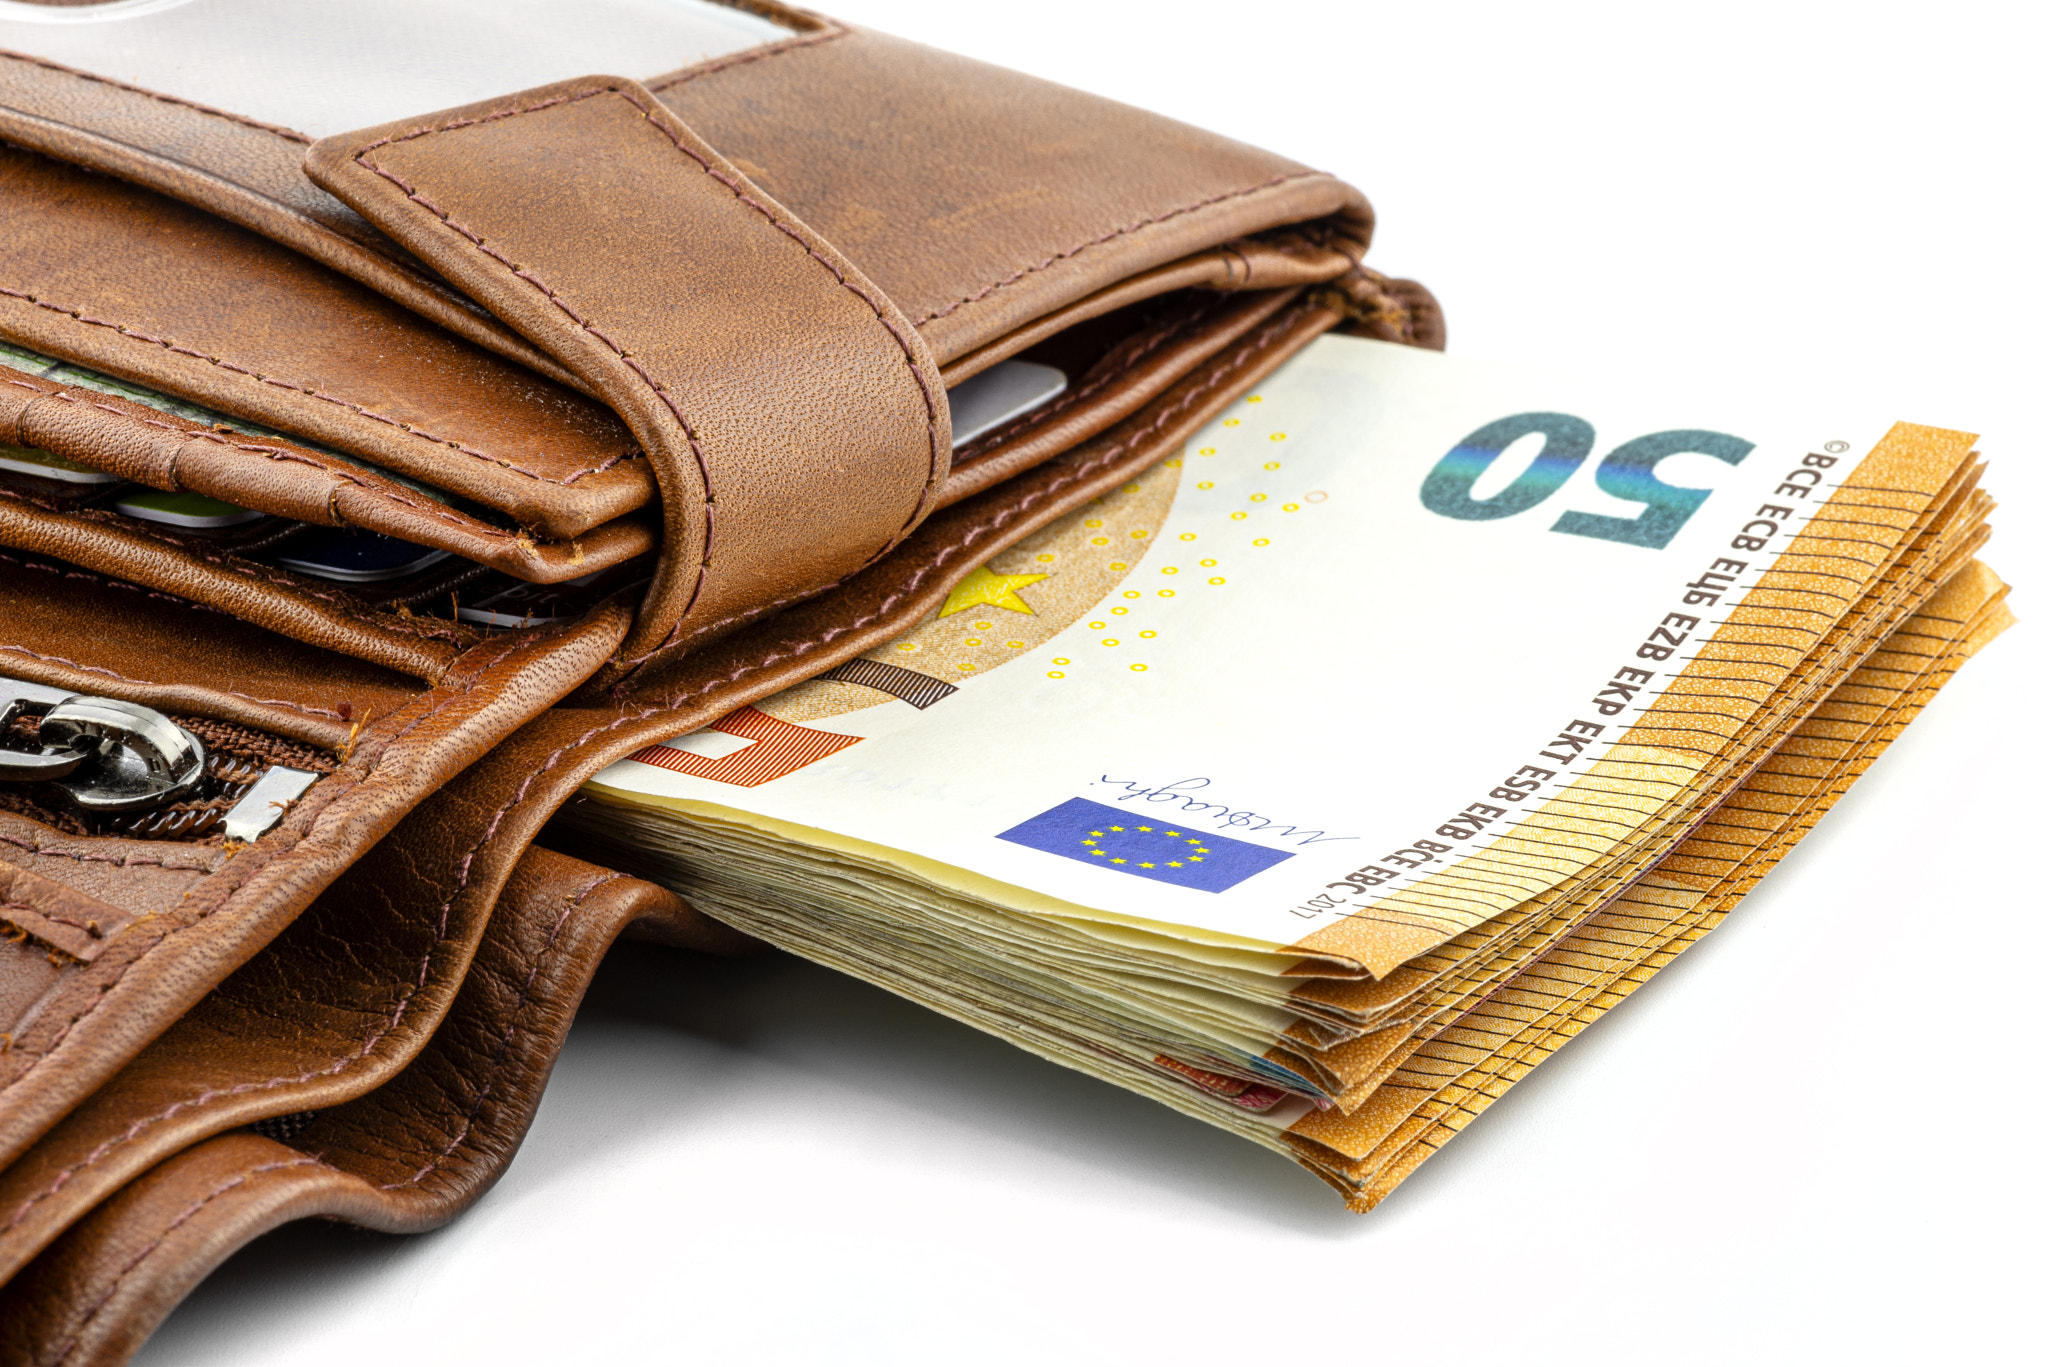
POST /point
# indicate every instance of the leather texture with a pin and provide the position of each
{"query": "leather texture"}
(1122, 206)
(283, 478)
(726, 301)
(147, 289)
(969, 194)
(302, 1027)
(206, 910)
(404, 1158)
(796, 421)
(238, 169)
(1024, 200)
(246, 171)
(414, 905)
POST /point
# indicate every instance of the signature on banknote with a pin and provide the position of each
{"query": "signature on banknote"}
(1179, 796)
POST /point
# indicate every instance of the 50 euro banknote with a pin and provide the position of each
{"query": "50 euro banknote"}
(1266, 774)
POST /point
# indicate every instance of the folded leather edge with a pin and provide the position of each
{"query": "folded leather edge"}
(273, 198)
(175, 454)
(403, 1159)
(796, 421)
(1197, 397)
(154, 970)
(146, 137)
(524, 964)
(450, 886)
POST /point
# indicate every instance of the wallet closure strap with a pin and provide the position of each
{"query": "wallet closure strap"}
(796, 421)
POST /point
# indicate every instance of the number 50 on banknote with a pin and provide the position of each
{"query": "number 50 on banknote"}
(1342, 765)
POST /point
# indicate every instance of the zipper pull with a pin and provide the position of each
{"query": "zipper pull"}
(107, 755)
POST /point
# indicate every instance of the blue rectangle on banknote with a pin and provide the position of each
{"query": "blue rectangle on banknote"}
(1143, 846)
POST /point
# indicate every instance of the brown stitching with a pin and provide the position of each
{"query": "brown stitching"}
(360, 411)
(205, 1095)
(67, 572)
(526, 787)
(1057, 257)
(633, 664)
(755, 54)
(937, 457)
(345, 606)
(126, 861)
(505, 1040)
(110, 674)
(369, 484)
(1079, 474)
(248, 868)
(91, 928)
(520, 795)
(288, 134)
(70, 1345)
(287, 839)
(660, 390)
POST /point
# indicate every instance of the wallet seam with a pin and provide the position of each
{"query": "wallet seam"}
(367, 481)
(974, 535)
(276, 130)
(497, 1060)
(702, 629)
(832, 29)
(970, 538)
(151, 683)
(936, 458)
(200, 1098)
(347, 606)
(136, 335)
(1063, 404)
(121, 862)
(287, 840)
(70, 1345)
(1100, 239)
(11, 557)
(1219, 375)
(526, 790)
(48, 915)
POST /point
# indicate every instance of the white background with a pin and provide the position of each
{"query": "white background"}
(1816, 1138)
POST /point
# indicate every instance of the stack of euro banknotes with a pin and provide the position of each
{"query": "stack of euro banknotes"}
(1326, 779)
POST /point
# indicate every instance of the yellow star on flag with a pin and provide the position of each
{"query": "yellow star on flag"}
(984, 588)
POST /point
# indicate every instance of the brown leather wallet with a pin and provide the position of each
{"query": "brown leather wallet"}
(375, 480)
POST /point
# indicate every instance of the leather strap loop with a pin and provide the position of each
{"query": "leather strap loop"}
(796, 421)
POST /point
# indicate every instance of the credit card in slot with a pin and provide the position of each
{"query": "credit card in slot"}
(345, 555)
(503, 601)
(1008, 389)
(26, 460)
(193, 512)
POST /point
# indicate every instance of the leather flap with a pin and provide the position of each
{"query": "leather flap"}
(796, 422)
(74, 921)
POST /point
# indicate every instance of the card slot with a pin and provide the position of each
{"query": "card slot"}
(67, 627)
(130, 284)
(1123, 361)
(85, 424)
(158, 564)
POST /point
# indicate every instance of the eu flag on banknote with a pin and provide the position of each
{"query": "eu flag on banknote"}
(1143, 845)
